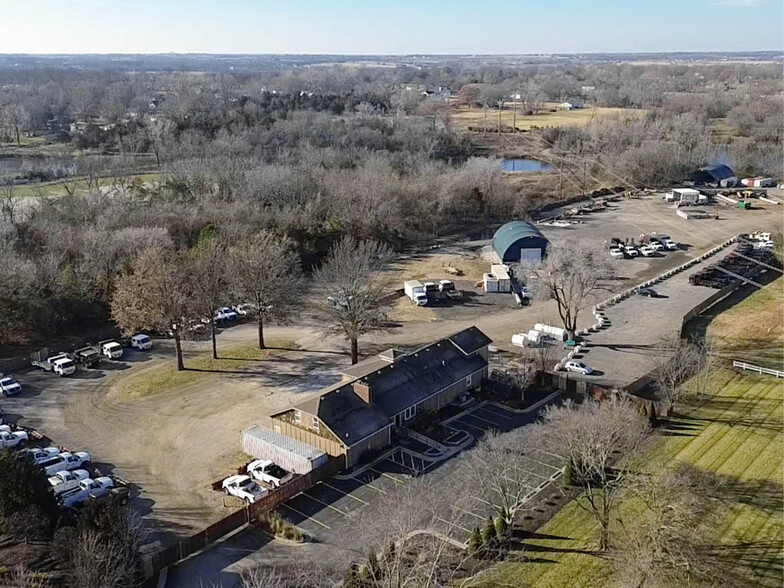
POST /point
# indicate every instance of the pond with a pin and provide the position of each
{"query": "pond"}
(525, 165)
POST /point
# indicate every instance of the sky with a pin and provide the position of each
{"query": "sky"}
(389, 26)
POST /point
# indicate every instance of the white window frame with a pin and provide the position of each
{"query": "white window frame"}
(297, 417)
(316, 424)
(409, 413)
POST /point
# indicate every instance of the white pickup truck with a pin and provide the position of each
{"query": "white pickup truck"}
(243, 487)
(41, 456)
(87, 489)
(9, 386)
(63, 482)
(265, 470)
(68, 461)
(13, 439)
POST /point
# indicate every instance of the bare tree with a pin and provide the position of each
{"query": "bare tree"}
(266, 271)
(680, 360)
(597, 439)
(109, 557)
(350, 287)
(405, 539)
(297, 574)
(496, 472)
(154, 296)
(571, 274)
(669, 541)
(210, 280)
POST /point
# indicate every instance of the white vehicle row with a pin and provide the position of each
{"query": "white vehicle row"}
(656, 243)
(246, 486)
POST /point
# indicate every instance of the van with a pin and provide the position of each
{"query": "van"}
(141, 342)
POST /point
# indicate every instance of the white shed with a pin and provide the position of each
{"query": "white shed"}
(501, 273)
(290, 454)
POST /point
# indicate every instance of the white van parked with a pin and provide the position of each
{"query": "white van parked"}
(141, 342)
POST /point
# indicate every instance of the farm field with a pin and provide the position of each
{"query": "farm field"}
(469, 117)
(737, 433)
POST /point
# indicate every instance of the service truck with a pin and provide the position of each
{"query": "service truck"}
(68, 461)
(60, 364)
(448, 288)
(416, 292)
(63, 482)
(111, 349)
(89, 489)
(88, 356)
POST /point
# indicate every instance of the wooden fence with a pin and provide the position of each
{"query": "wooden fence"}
(273, 499)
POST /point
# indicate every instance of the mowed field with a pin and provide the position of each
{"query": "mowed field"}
(737, 433)
(472, 117)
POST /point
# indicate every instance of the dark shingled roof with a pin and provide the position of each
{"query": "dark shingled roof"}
(397, 386)
(470, 340)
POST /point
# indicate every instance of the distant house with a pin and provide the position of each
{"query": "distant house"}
(386, 392)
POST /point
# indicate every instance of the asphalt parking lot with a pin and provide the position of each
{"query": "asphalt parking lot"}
(327, 510)
(628, 348)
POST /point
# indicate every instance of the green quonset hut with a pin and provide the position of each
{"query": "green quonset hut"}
(519, 241)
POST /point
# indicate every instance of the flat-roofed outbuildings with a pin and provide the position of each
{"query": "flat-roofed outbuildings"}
(519, 241)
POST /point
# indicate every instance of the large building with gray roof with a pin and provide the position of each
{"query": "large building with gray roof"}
(360, 413)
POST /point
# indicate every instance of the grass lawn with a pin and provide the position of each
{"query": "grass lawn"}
(162, 375)
(465, 117)
(738, 432)
(58, 188)
(753, 331)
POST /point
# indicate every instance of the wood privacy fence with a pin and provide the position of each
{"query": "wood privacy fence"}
(755, 368)
(273, 499)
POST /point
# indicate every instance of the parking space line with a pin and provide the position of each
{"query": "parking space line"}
(335, 508)
(345, 493)
(389, 476)
(495, 414)
(302, 514)
(468, 512)
(453, 524)
(369, 485)
(467, 425)
(547, 465)
(474, 416)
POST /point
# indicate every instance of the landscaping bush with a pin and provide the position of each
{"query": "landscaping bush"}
(566, 479)
(30, 524)
(474, 541)
(501, 527)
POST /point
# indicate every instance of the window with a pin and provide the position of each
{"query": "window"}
(297, 417)
(468, 382)
(315, 424)
(409, 413)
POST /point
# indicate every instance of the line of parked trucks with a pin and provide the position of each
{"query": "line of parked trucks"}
(423, 294)
(648, 246)
(65, 363)
(67, 472)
